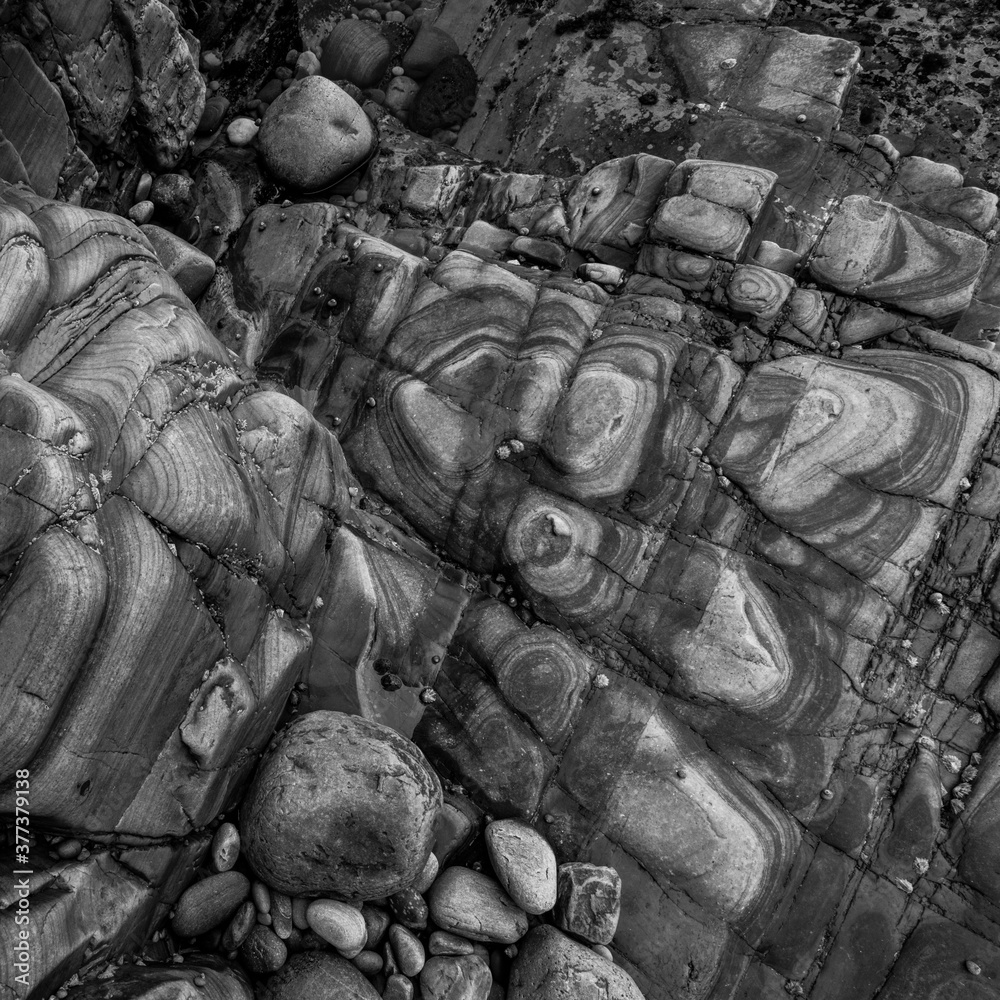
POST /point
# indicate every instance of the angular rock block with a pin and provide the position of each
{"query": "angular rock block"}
(976, 830)
(823, 472)
(941, 958)
(711, 207)
(759, 292)
(611, 204)
(100, 903)
(875, 251)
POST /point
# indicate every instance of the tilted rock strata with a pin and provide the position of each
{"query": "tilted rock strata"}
(653, 500)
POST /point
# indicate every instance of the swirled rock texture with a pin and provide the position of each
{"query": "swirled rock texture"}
(698, 560)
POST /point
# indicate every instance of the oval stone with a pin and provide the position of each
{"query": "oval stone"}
(475, 906)
(208, 903)
(263, 951)
(407, 950)
(340, 807)
(455, 977)
(524, 863)
(340, 924)
(314, 134)
(552, 966)
(225, 847)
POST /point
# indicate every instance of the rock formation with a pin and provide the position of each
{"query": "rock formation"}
(653, 496)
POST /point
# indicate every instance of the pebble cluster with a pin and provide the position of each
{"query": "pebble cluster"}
(496, 929)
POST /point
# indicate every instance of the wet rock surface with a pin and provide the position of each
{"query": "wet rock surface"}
(636, 455)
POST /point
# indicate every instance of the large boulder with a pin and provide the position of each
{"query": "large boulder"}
(340, 807)
(314, 134)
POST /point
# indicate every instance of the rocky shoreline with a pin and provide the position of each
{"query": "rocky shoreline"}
(581, 419)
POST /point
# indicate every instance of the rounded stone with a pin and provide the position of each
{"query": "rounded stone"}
(475, 906)
(211, 118)
(400, 93)
(312, 974)
(208, 903)
(263, 951)
(340, 807)
(398, 987)
(455, 977)
(241, 131)
(141, 212)
(341, 925)
(225, 847)
(524, 863)
(429, 49)
(356, 51)
(407, 950)
(314, 134)
(552, 966)
(172, 194)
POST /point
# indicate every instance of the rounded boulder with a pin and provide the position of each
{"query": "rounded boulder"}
(340, 807)
(314, 134)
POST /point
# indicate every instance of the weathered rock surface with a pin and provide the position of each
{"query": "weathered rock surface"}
(340, 806)
(728, 518)
(201, 975)
(187, 265)
(590, 901)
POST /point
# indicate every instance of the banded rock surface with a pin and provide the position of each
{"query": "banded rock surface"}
(675, 601)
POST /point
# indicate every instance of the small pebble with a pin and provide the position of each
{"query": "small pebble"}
(408, 905)
(407, 950)
(427, 875)
(376, 924)
(72, 847)
(368, 962)
(339, 924)
(225, 847)
(241, 132)
(398, 987)
(299, 907)
(239, 927)
(261, 896)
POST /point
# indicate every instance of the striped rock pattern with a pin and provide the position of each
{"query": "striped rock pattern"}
(701, 565)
